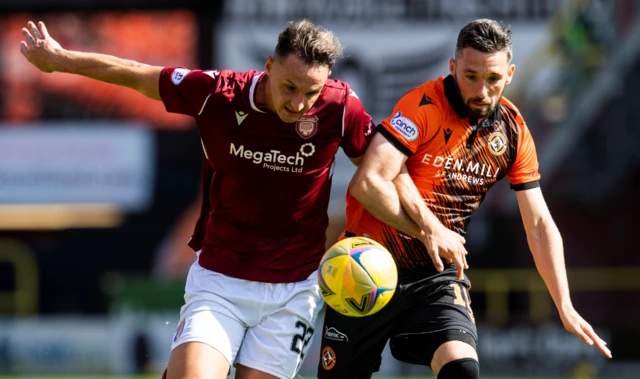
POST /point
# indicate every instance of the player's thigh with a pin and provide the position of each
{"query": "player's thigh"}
(211, 316)
(440, 313)
(352, 347)
(278, 344)
(197, 360)
(244, 372)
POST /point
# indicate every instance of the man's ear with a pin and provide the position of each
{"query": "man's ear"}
(268, 65)
(510, 72)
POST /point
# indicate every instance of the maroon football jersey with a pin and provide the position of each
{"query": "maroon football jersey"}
(266, 183)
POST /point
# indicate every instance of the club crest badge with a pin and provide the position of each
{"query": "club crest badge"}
(307, 127)
(328, 358)
(497, 143)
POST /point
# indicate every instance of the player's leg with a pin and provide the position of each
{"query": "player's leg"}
(210, 330)
(197, 360)
(352, 346)
(439, 330)
(244, 372)
(277, 344)
(458, 358)
(455, 359)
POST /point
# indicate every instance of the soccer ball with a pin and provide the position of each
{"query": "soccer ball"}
(357, 277)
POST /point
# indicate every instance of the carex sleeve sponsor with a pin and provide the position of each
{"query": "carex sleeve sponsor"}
(412, 122)
(186, 91)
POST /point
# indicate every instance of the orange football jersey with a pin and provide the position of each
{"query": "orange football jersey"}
(452, 162)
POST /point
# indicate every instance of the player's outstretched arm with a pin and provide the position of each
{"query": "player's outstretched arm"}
(545, 243)
(47, 55)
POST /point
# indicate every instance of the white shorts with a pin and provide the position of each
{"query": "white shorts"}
(264, 326)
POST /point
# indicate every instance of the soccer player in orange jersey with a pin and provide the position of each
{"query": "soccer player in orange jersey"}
(457, 136)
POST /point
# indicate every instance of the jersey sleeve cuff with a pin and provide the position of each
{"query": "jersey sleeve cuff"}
(525, 186)
(394, 141)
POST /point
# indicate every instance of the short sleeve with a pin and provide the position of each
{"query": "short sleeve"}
(186, 91)
(523, 174)
(415, 117)
(357, 126)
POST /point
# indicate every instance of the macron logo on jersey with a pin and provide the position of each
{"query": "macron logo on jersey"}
(212, 73)
(405, 126)
(178, 75)
(240, 116)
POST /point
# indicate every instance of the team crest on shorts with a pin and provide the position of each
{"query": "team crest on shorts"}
(497, 143)
(328, 358)
(307, 126)
(179, 330)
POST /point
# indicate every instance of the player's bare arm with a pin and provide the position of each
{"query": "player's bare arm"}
(438, 239)
(545, 243)
(47, 55)
(374, 187)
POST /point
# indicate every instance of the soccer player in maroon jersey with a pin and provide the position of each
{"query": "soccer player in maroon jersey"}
(269, 141)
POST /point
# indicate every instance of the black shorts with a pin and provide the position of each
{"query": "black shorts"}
(427, 310)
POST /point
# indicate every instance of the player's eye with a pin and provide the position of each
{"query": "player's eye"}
(493, 80)
(471, 77)
(290, 88)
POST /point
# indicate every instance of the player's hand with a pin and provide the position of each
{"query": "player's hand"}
(574, 323)
(38, 46)
(448, 245)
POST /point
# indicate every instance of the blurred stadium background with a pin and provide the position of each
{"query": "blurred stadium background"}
(99, 186)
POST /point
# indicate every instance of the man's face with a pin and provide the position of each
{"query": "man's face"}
(481, 79)
(293, 86)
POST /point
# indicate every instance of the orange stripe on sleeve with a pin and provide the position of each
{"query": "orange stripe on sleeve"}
(525, 168)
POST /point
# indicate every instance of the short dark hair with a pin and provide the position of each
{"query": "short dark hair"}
(487, 36)
(312, 44)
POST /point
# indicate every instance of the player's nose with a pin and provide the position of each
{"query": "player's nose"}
(297, 103)
(482, 90)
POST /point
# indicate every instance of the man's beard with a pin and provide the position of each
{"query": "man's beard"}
(479, 114)
(475, 113)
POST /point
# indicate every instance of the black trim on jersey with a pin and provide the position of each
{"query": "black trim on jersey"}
(525, 186)
(472, 136)
(453, 96)
(394, 141)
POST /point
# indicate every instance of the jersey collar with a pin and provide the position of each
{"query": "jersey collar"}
(252, 92)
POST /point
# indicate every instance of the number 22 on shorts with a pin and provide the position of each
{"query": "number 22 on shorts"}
(302, 339)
